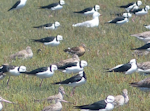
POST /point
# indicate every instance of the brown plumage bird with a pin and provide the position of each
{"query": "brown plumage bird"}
(74, 58)
(144, 84)
(121, 99)
(23, 54)
(60, 95)
(55, 107)
(76, 50)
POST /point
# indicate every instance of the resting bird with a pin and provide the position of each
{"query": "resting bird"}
(52, 41)
(49, 26)
(121, 20)
(43, 72)
(89, 11)
(144, 36)
(144, 47)
(143, 85)
(103, 105)
(90, 23)
(73, 67)
(74, 81)
(144, 67)
(76, 50)
(18, 5)
(127, 68)
(54, 6)
(23, 54)
(60, 95)
(122, 99)
(130, 6)
(55, 107)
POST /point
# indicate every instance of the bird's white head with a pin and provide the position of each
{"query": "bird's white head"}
(96, 7)
(61, 2)
(4, 100)
(59, 37)
(127, 15)
(133, 61)
(83, 63)
(61, 90)
(57, 24)
(96, 14)
(138, 3)
(53, 67)
(110, 99)
(147, 7)
(22, 69)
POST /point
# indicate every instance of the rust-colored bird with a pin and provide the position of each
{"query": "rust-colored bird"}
(76, 50)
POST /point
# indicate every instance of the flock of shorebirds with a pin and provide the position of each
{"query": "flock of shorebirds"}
(75, 65)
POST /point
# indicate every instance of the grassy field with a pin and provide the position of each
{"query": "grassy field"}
(109, 45)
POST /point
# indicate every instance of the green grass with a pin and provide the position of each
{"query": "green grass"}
(109, 45)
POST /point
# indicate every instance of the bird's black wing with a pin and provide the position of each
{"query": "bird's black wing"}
(146, 46)
(136, 10)
(95, 106)
(49, 6)
(73, 79)
(126, 6)
(117, 19)
(46, 39)
(45, 25)
(15, 5)
(85, 10)
(67, 65)
(122, 68)
(42, 69)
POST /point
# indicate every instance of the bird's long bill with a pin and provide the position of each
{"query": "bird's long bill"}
(65, 101)
(4, 100)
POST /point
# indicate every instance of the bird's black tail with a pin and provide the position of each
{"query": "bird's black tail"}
(35, 40)
(56, 83)
(134, 84)
(66, 50)
(29, 73)
(81, 107)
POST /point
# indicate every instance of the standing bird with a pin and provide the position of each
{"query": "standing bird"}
(144, 47)
(121, 20)
(23, 54)
(73, 67)
(55, 107)
(52, 41)
(3, 100)
(74, 81)
(127, 68)
(54, 6)
(12, 70)
(122, 99)
(103, 105)
(43, 72)
(49, 26)
(144, 36)
(60, 95)
(131, 6)
(18, 5)
(89, 10)
(144, 84)
(140, 12)
(90, 23)
(76, 50)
